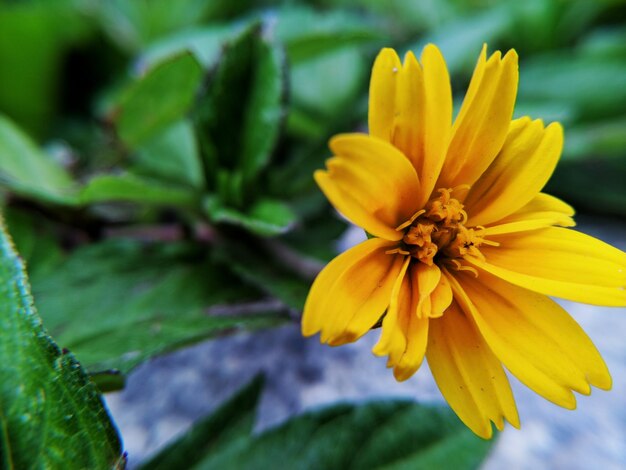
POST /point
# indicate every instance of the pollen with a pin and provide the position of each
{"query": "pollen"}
(439, 234)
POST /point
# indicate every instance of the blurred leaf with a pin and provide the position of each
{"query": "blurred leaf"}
(34, 239)
(50, 414)
(34, 39)
(130, 188)
(230, 423)
(259, 265)
(266, 217)
(595, 87)
(595, 184)
(240, 117)
(158, 99)
(326, 89)
(205, 43)
(607, 138)
(461, 40)
(172, 155)
(133, 24)
(27, 170)
(605, 42)
(118, 303)
(391, 435)
(308, 34)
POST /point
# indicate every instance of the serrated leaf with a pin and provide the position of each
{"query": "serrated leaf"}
(131, 188)
(239, 119)
(230, 423)
(51, 416)
(390, 435)
(27, 170)
(159, 99)
(266, 217)
(131, 301)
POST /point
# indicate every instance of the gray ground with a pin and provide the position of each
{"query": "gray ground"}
(165, 396)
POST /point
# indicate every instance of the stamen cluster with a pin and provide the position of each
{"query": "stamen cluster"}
(438, 231)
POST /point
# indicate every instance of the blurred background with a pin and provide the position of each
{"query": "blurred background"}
(155, 132)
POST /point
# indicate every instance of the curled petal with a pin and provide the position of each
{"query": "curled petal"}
(371, 183)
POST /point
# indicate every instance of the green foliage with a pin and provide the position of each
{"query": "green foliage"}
(156, 164)
(27, 170)
(384, 434)
(51, 416)
(138, 300)
(159, 99)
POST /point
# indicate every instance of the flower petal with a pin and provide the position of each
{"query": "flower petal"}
(392, 342)
(483, 121)
(427, 278)
(538, 341)
(371, 183)
(408, 127)
(559, 262)
(469, 376)
(351, 293)
(383, 94)
(523, 166)
(437, 119)
(404, 335)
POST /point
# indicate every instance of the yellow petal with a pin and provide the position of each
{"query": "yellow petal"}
(392, 342)
(377, 176)
(523, 166)
(371, 183)
(427, 278)
(542, 211)
(441, 298)
(317, 316)
(404, 335)
(383, 94)
(408, 130)
(469, 376)
(559, 262)
(437, 119)
(534, 338)
(483, 121)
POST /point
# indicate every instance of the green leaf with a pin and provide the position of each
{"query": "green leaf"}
(27, 170)
(390, 435)
(461, 40)
(261, 267)
(307, 33)
(130, 301)
(595, 87)
(266, 217)
(327, 87)
(131, 188)
(158, 99)
(205, 44)
(51, 416)
(230, 423)
(172, 155)
(240, 117)
(606, 138)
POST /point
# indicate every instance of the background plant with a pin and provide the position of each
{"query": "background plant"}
(155, 165)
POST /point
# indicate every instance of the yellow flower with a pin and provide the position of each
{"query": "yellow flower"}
(465, 247)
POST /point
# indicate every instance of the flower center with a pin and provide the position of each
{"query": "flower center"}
(438, 231)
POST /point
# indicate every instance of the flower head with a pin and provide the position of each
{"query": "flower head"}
(465, 247)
